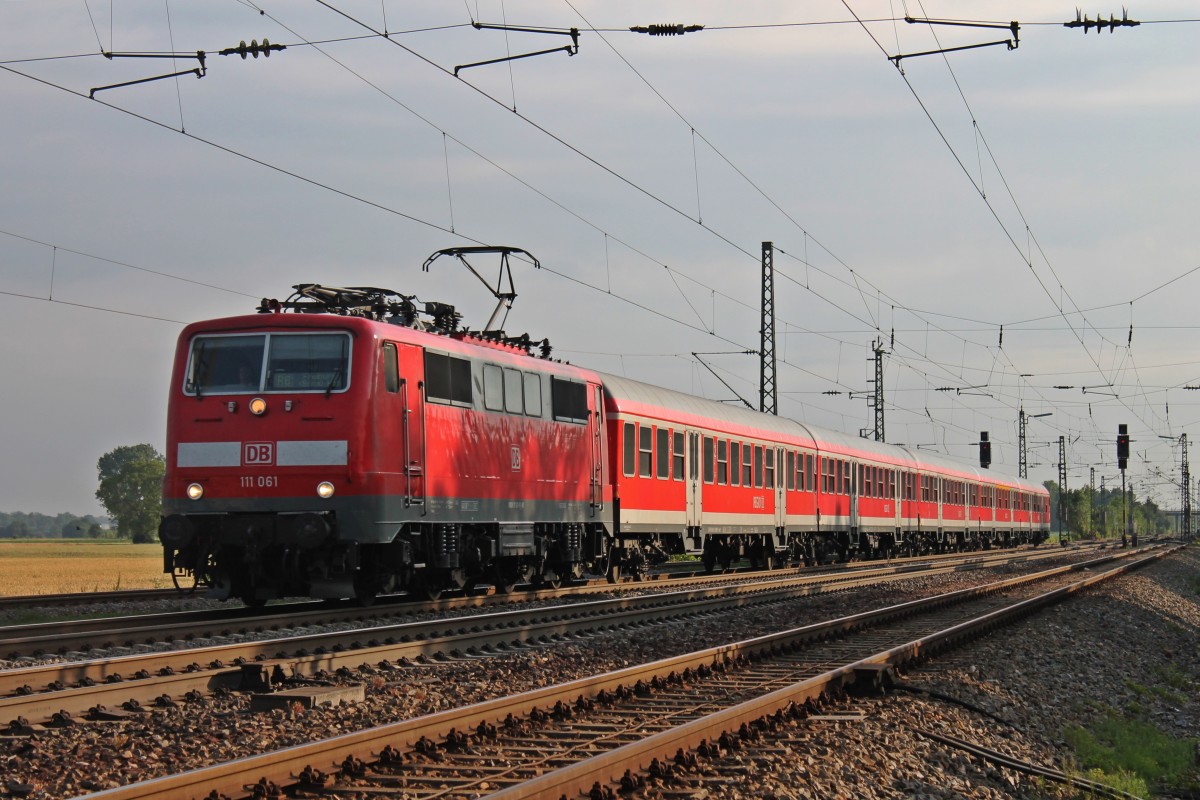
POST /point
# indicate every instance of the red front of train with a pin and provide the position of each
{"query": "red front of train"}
(331, 456)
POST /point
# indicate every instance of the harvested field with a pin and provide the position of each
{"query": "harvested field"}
(62, 566)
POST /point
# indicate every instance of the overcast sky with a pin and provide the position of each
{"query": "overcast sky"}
(1006, 221)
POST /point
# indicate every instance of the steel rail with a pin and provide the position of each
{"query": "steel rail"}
(83, 598)
(236, 778)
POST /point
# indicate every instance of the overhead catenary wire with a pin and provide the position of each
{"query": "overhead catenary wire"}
(606, 235)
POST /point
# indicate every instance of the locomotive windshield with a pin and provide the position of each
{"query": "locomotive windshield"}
(269, 362)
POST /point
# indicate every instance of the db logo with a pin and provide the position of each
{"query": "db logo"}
(258, 453)
(516, 458)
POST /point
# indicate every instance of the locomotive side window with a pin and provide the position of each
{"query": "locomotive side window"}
(568, 400)
(514, 403)
(629, 449)
(447, 379)
(664, 453)
(708, 459)
(391, 369)
(645, 451)
(493, 388)
(735, 463)
(533, 394)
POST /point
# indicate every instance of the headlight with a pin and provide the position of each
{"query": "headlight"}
(195, 491)
(258, 406)
(325, 490)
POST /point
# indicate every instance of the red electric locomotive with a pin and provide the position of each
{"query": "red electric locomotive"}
(339, 454)
(345, 443)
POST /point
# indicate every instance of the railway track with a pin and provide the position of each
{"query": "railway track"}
(674, 570)
(81, 636)
(58, 692)
(658, 722)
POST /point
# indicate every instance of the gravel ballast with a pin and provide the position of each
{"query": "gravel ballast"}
(1096, 652)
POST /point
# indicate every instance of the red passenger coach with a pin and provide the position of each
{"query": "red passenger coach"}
(695, 476)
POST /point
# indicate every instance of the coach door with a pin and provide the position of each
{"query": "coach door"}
(412, 440)
(597, 437)
(693, 488)
(856, 485)
(780, 490)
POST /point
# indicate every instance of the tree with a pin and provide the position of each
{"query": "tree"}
(131, 489)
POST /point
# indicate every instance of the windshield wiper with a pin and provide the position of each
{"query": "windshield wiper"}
(337, 373)
(199, 368)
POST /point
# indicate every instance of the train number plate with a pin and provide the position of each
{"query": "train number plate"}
(259, 481)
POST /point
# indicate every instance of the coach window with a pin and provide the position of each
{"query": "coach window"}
(791, 470)
(735, 463)
(533, 394)
(513, 385)
(865, 483)
(629, 449)
(747, 465)
(677, 457)
(645, 451)
(664, 453)
(447, 379)
(768, 468)
(810, 470)
(391, 368)
(493, 388)
(708, 459)
(758, 467)
(568, 400)
(722, 462)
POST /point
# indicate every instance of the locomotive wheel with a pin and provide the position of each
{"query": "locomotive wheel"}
(425, 589)
(547, 580)
(253, 601)
(364, 591)
(184, 580)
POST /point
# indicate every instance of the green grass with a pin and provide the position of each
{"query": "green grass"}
(1121, 781)
(1131, 755)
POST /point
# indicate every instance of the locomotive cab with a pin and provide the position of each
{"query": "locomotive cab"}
(261, 431)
